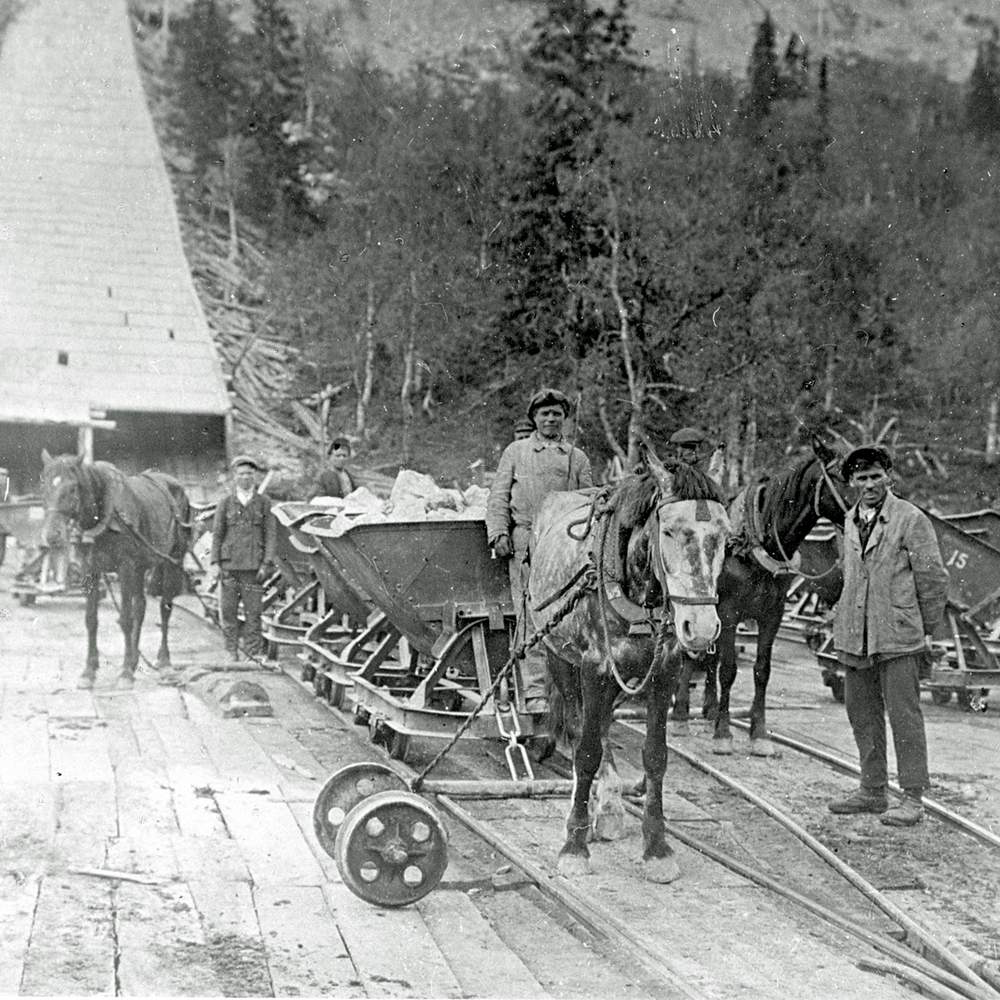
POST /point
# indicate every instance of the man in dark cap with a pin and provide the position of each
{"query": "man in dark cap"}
(243, 549)
(529, 470)
(335, 480)
(689, 445)
(523, 428)
(892, 601)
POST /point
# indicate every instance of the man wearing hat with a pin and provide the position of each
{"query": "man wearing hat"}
(530, 469)
(893, 600)
(523, 428)
(243, 549)
(689, 445)
(335, 480)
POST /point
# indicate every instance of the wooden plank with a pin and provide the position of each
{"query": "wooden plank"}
(147, 824)
(483, 964)
(216, 857)
(412, 966)
(17, 914)
(72, 947)
(303, 814)
(269, 840)
(78, 749)
(71, 704)
(87, 820)
(162, 948)
(24, 750)
(305, 952)
(233, 936)
(301, 775)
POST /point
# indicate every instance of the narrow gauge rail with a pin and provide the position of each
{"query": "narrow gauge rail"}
(961, 979)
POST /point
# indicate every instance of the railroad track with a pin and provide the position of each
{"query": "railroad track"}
(924, 962)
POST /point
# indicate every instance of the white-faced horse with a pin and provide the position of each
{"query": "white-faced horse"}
(657, 540)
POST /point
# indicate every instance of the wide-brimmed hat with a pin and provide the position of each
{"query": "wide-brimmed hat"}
(245, 460)
(548, 397)
(688, 436)
(865, 456)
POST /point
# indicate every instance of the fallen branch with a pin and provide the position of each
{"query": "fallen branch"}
(116, 876)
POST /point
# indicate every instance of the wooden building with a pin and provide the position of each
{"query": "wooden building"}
(104, 347)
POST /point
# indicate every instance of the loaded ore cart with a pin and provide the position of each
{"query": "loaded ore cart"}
(322, 614)
(444, 632)
(967, 661)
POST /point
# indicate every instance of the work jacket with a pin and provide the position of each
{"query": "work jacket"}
(528, 472)
(243, 537)
(894, 591)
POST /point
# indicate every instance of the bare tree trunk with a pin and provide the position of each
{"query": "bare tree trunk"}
(636, 388)
(409, 358)
(828, 380)
(364, 372)
(991, 428)
(732, 472)
(750, 437)
(602, 415)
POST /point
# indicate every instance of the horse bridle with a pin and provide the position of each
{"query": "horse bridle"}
(662, 570)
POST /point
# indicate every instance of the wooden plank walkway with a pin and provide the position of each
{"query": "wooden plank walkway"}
(226, 890)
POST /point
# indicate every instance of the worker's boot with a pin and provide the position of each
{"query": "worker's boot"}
(909, 811)
(864, 800)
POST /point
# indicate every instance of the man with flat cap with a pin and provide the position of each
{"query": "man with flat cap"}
(689, 445)
(243, 538)
(530, 469)
(893, 600)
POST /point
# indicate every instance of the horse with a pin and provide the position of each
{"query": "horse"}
(770, 519)
(135, 526)
(600, 563)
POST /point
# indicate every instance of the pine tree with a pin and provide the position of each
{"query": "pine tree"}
(579, 66)
(762, 73)
(206, 80)
(982, 106)
(275, 98)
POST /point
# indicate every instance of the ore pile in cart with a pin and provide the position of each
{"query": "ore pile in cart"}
(967, 660)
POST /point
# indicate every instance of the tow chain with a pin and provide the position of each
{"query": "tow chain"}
(514, 750)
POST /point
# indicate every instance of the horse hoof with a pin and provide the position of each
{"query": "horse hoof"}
(762, 748)
(573, 865)
(85, 683)
(723, 746)
(680, 728)
(609, 826)
(661, 870)
(125, 681)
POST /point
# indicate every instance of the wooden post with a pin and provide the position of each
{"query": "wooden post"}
(85, 443)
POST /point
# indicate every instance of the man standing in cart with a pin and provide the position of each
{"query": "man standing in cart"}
(530, 469)
(892, 602)
(243, 538)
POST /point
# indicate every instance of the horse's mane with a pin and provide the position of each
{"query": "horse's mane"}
(786, 486)
(638, 495)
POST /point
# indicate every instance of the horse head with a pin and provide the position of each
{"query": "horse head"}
(829, 500)
(691, 528)
(64, 496)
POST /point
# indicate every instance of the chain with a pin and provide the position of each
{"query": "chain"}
(587, 584)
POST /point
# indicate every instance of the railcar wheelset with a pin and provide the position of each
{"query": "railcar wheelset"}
(390, 845)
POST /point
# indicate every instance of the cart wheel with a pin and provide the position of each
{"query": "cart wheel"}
(392, 849)
(837, 688)
(335, 696)
(396, 743)
(343, 790)
(940, 696)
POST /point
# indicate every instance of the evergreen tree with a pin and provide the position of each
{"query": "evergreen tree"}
(578, 66)
(206, 81)
(275, 99)
(762, 73)
(982, 106)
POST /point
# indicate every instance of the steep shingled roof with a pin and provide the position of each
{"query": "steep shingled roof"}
(97, 307)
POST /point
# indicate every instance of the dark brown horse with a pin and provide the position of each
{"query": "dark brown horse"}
(658, 541)
(135, 526)
(770, 519)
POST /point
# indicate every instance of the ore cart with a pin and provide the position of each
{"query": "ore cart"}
(448, 623)
(967, 660)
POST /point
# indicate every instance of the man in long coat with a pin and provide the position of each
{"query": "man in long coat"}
(529, 470)
(892, 602)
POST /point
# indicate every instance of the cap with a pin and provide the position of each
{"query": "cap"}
(865, 456)
(245, 460)
(688, 435)
(548, 397)
(524, 424)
